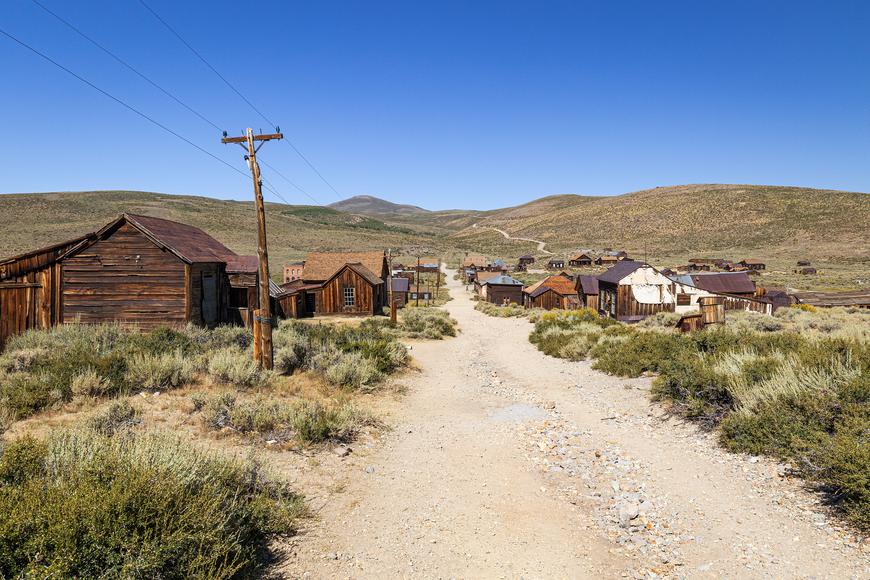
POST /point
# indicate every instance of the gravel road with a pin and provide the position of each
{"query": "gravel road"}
(505, 463)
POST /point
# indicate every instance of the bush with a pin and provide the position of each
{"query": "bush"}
(236, 368)
(85, 505)
(306, 421)
(431, 323)
(120, 415)
(168, 370)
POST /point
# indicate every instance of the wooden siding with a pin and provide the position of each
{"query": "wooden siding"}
(497, 294)
(330, 300)
(549, 300)
(617, 301)
(127, 278)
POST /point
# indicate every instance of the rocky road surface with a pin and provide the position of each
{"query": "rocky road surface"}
(505, 463)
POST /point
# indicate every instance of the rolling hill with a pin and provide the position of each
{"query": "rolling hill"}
(370, 205)
(667, 224)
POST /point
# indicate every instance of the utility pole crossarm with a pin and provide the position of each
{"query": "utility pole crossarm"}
(244, 138)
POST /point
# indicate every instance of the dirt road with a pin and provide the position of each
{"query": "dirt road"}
(504, 463)
(507, 236)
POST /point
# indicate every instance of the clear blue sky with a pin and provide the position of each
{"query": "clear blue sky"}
(445, 104)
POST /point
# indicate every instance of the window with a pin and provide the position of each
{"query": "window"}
(683, 299)
(349, 297)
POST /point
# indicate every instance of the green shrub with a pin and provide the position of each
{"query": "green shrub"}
(432, 323)
(306, 421)
(231, 366)
(119, 416)
(167, 370)
(85, 505)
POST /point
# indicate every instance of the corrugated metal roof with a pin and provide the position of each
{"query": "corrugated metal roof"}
(503, 280)
(559, 284)
(242, 264)
(620, 271)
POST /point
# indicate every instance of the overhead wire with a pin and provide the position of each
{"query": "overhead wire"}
(239, 93)
(162, 89)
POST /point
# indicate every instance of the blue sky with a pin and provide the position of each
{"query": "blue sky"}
(444, 104)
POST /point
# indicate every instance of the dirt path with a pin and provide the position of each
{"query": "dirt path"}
(507, 236)
(505, 463)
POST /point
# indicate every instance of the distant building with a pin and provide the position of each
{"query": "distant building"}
(293, 271)
(556, 264)
(580, 260)
(752, 264)
(502, 290)
(552, 292)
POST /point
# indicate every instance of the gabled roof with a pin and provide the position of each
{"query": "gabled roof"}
(189, 243)
(526, 257)
(400, 284)
(322, 265)
(474, 261)
(580, 256)
(364, 272)
(558, 284)
(723, 282)
(484, 276)
(620, 271)
(751, 261)
(502, 280)
(588, 284)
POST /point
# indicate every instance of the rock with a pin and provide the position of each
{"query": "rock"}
(627, 512)
(614, 485)
(341, 450)
(550, 405)
(370, 469)
(271, 441)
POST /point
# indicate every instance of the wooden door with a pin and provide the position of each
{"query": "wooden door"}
(209, 299)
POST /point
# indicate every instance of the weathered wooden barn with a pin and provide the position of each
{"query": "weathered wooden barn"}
(475, 262)
(854, 299)
(502, 290)
(420, 292)
(555, 263)
(552, 292)
(137, 270)
(587, 291)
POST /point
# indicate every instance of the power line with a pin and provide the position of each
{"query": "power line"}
(239, 93)
(121, 102)
(159, 87)
(128, 65)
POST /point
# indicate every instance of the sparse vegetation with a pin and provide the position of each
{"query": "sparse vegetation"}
(88, 505)
(795, 386)
(303, 420)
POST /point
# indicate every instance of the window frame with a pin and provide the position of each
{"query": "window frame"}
(348, 294)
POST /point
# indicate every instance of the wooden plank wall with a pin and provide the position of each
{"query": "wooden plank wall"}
(125, 278)
(497, 294)
(626, 305)
(331, 299)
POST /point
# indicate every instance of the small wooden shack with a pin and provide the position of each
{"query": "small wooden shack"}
(344, 283)
(556, 264)
(552, 292)
(526, 260)
(400, 289)
(752, 264)
(587, 291)
(474, 261)
(580, 260)
(502, 290)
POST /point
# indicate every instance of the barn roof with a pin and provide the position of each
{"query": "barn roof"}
(187, 242)
(400, 284)
(723, 282)
(559, 284)
(322, 265)
(589, 285)
(580, 256)
(620, 271)
(360, 269)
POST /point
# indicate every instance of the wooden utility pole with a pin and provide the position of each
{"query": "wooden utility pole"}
(262, 316)
(418, 281)
(390, 290)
